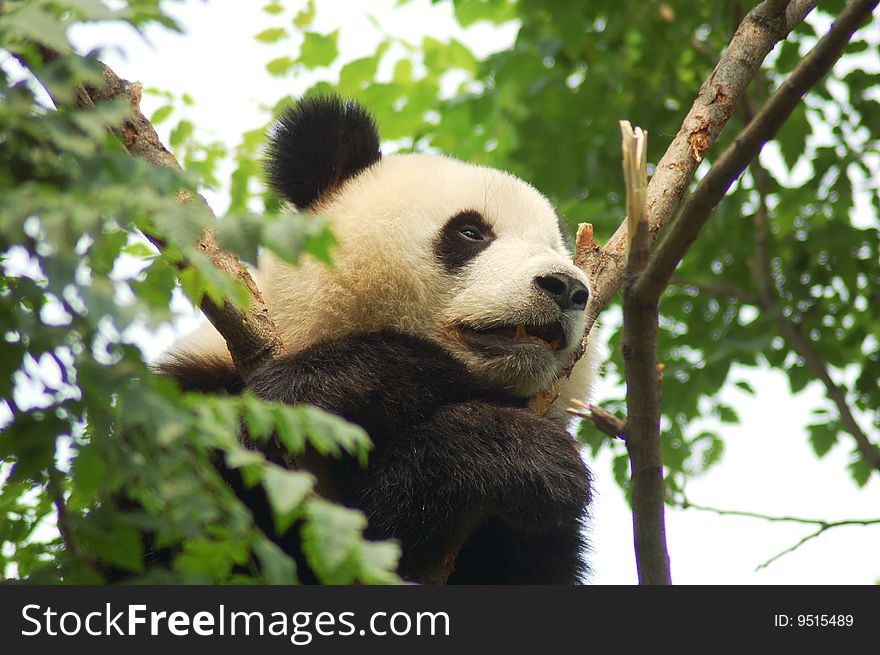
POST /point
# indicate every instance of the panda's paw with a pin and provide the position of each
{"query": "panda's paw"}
(549, 484)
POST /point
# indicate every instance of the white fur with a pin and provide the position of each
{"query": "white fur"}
(385, 274)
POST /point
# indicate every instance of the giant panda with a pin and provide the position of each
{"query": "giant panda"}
(451, 299)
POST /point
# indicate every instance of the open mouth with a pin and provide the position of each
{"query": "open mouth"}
(550, 336)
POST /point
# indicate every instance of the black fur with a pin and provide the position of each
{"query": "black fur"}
(447, 450)
(205, 374)
(453, 249)
(316, 145)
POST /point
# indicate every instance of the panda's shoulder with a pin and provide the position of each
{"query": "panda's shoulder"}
(387, 353)
(388, 366)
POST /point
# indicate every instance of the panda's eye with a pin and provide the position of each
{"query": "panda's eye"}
(470, 232)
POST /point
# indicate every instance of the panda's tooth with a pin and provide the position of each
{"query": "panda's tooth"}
(520, 333)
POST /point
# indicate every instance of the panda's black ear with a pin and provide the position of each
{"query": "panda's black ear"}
(316, 145)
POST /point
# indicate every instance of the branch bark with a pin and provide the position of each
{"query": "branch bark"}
(761, 29)
(759, 32)
(639, 347)
(746, 146)
(251, 336)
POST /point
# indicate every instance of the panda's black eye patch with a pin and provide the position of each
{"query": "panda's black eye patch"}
(464, 236)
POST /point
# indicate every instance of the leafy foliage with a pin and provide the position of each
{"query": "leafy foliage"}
(96, 449)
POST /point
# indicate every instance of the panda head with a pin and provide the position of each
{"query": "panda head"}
(469, 257)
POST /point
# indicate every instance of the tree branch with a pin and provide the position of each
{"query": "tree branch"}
(761, 29)
(251, 336)
(822, 525)
(759, 32)
(639, 347)
(814, 361)
(747, 145)
(604, 420)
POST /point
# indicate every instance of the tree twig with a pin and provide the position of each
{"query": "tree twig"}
(604, 420)
(823, 525)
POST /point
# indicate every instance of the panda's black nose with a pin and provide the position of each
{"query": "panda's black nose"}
(566, 291)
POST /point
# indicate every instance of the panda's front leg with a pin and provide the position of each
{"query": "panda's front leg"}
(503, 488)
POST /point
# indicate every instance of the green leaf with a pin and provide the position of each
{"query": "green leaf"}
(289, 235)
(271, 35)
(116, 544)
(860, 469)
(468, 12)
(279, 66)
(440, 56)
(161, 114)
(359, 72)
(286, 491)
(332, 435)
(210, 559)
(276, 566)
(31, 22)
(273, 8)
(305, 17)
(726, 413)
(318, 49)
(331, 538)
(181, 132)
(823, 437)
(241, 235)
(202, 278)
(792, 136)
(378, 562)
(258, 417)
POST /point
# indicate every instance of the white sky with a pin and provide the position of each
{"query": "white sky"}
(768, 466)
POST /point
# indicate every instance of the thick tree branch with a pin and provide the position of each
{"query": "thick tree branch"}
(747, 145)
(757, 34)
(639, 347)
(251, 336)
